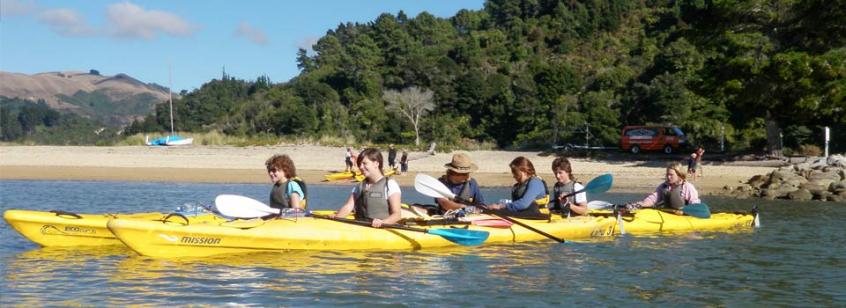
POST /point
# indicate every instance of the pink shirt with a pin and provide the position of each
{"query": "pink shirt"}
(688, 193)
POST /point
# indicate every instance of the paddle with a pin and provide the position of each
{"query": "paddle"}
(242, 207)
(459, 236)
(430, 186)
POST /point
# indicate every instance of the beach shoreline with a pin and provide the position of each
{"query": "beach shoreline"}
(225, 164)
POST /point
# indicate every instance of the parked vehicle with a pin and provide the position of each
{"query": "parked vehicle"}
(665, 138)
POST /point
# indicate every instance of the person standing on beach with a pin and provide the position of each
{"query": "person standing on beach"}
(459, 182)
(392, 157)
(566, 185)
(699, 152)
(529, 194)
(377, 198)
(288, 190)
(404, 162)
(348, 160)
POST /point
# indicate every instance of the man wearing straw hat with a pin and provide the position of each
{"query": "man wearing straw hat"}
(458, 180)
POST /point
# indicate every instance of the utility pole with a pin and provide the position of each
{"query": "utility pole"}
(827, 135)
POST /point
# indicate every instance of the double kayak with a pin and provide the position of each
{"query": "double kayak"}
(162, 240)
(651, 221)
(67, 229)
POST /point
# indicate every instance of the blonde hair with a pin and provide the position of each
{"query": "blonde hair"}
(677, 167)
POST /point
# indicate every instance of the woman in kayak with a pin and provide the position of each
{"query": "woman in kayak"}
(566, 185)
(288, 190)
(529, 194)
(674, 193)
(377, 198)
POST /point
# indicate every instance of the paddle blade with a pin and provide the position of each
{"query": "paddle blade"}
(430, 186)
(600, 205)
(600, 184)
(698, 210)
(461, 236)
(242, 207)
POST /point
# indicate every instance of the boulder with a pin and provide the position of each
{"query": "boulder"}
(837, 186)
(824, 178)
(821, 194)
(767, 194)
(837, 160)
(835, 198)
(757, 181)
(800, 195)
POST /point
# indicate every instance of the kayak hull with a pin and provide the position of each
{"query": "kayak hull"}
(155, 239)
(64, 229)
(651, 221)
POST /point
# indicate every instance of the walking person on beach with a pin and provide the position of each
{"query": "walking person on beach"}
(288, 190)
(404, 163)
(567, 184)
(392, 157)
(529, 194)
(348, 160)
(377, 198)
(459, 182)
(675, 192)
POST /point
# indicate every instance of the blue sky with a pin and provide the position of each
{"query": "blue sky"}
(198, 38)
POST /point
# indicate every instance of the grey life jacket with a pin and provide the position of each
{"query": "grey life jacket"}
(279, 194)
(563, 189)
(466, 194)
(672, 197)
(372, 203)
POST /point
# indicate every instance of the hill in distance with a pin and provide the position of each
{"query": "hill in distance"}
(113, 100)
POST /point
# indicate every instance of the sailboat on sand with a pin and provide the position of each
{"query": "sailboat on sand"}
(172, 139)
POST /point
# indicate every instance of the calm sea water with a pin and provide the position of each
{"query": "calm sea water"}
(796, 258)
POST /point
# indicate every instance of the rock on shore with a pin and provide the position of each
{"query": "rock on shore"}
(820, 179)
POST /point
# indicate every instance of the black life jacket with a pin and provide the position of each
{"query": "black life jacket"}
(519, 189)
(563, 189)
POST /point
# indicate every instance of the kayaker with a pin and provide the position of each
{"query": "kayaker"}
(458, 180)
(377, 198)
(674, 193)
(529, 194)
(288, 190)
(567, 184)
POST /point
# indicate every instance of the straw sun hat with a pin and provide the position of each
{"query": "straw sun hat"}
(461, 164)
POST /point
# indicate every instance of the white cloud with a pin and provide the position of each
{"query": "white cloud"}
(307, 42)
(66, 22)
(17, 8)
(254, 35)
(132, 21)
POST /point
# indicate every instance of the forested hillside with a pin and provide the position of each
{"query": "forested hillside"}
(533, 73)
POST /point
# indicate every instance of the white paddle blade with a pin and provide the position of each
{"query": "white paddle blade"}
(430, 186)
(242, 207)
(600, 205)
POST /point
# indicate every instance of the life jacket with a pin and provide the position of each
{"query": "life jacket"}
(519, 189)
(563, 189)
(372, 203)
(465, 194)
(672, 197)
(279, 194)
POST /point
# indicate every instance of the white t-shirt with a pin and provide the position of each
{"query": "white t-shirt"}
(580, 197)
(390, 189)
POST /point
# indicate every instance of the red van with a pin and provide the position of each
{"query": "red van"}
(666, 138)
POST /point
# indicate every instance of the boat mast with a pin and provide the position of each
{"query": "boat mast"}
(170, 96)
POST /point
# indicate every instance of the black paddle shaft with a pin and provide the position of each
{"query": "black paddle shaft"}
(367, 224)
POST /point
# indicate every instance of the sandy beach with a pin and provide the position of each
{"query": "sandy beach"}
(225, 164)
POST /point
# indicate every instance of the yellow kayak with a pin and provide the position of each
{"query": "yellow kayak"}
(349, 175)
(156, 239)
(650, 221)
(66, 229)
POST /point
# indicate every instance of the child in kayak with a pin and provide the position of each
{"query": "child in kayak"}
(529, 194)
(458, 180)
(288, 190)
(674, 193)
(575, 204)
(377, 198)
